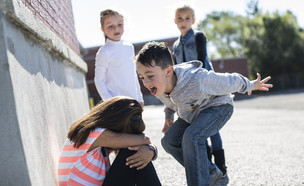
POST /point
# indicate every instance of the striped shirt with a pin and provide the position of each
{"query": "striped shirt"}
(77, 166)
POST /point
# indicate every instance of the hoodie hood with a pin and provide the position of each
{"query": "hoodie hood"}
(184, 72)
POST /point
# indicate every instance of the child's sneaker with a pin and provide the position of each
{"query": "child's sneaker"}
(223, 181)
(215, 175)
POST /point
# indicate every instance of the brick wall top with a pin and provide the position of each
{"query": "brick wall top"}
(58, 16)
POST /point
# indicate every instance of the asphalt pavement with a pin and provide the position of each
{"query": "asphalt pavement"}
(263, 141)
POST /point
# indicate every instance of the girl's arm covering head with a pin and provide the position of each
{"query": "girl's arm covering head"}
(118, 114)
(116, 140)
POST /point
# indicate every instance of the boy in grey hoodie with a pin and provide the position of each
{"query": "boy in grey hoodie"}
(202, 100)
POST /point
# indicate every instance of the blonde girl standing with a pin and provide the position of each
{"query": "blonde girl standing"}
(115, 70)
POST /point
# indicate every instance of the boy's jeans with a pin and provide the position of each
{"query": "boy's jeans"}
(186, 142)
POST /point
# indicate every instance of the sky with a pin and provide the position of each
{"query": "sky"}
(147, 20)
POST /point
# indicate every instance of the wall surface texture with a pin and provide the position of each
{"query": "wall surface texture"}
(42, 89)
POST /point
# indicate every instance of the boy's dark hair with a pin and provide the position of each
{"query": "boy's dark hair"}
(157, 51)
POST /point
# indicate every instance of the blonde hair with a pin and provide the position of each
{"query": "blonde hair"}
(105, 13)
(185, 8)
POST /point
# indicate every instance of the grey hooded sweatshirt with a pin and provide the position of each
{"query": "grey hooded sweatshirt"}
(197, 89)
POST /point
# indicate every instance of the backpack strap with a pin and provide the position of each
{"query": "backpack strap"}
(201, 49)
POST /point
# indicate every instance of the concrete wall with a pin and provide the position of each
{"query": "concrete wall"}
(42, 91)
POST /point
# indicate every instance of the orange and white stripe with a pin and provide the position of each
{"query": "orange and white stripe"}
(79, 167)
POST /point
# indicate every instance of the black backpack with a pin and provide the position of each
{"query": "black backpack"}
(201, 47)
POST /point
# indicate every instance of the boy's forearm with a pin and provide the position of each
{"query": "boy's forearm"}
(169, 113)
(224, 83)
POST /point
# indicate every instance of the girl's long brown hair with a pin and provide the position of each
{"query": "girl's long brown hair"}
(119, 114)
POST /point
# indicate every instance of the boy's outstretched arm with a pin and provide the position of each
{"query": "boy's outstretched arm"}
(261, 84)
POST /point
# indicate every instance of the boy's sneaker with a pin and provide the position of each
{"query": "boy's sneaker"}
(223, 181)
(215, 175)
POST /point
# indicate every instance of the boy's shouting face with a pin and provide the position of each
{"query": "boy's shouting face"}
(155, 79)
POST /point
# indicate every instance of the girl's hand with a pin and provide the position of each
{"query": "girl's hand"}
(261, 85)
(168, 123)
(141, 158)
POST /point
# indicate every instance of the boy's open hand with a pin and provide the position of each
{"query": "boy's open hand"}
(261, 84)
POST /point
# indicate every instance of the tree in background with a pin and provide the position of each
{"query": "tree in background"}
(273, 43)
(223, 31)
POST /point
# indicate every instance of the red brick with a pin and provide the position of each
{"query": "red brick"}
(58, 16)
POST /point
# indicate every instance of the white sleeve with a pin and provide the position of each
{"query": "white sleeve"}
(138, 90)
(101, 66)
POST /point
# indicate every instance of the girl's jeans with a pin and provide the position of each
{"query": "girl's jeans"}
(216, 142)
(186, 142)
(120, 174)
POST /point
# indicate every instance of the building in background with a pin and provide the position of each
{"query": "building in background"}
(43, 88)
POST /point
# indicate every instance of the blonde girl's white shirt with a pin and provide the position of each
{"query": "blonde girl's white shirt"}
(115, 71)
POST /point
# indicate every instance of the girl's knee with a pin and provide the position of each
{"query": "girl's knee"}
(124, 153)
